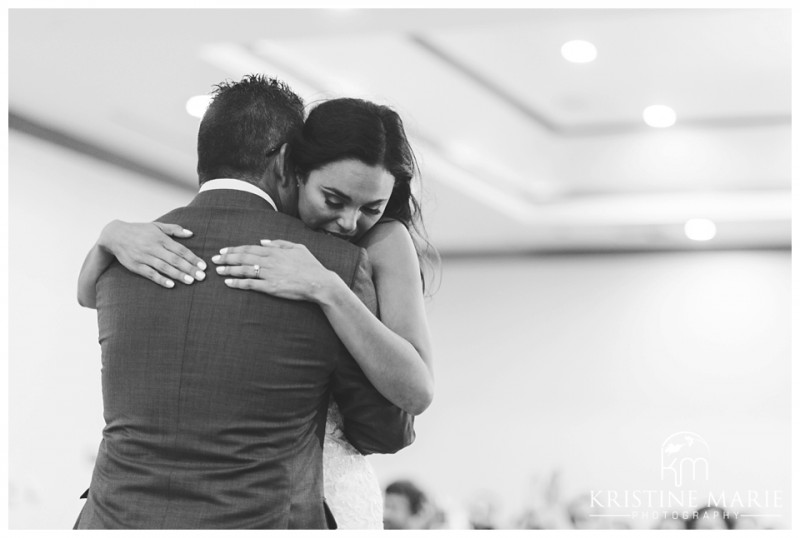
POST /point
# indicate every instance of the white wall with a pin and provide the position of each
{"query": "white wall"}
(588, 363)
(583, 363)
(58, 202)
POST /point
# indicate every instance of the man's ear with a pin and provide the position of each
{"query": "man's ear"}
(280, 163)
(284, 182)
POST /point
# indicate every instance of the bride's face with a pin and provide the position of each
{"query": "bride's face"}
(344, 198)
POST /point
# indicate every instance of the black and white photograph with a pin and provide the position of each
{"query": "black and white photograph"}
(489, 268)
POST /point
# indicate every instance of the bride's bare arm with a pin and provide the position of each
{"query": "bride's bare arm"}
(395, 351)
(143, 248)
(404, 375)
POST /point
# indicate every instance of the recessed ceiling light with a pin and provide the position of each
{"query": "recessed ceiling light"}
(659, 116)
(700, 229)
(578, 51)
(196, 106)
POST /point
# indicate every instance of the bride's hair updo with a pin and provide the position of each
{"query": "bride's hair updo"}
(346, 128)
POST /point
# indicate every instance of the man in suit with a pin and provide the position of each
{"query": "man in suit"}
(215, 399)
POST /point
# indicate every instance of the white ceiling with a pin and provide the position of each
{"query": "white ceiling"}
(519, 149)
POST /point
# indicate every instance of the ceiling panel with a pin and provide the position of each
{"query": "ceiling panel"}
(519, 149)
(705, 63)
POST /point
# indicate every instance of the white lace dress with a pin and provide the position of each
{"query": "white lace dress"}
(352, 490)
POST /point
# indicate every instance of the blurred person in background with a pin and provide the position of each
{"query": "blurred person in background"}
(351, 169)
(483, 512)
(671, 523)
(406, 506)
(582, 515)
(746, 523)
(545, 507)
(711, 517)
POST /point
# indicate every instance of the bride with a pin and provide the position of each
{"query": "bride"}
(354, 166)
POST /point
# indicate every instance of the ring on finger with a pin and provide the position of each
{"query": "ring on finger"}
(257, 270)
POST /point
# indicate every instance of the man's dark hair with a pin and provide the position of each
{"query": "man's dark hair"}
(246, 122)
(416, 497)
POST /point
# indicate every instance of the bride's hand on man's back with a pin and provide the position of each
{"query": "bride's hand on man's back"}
(148, 250)
(280, 268)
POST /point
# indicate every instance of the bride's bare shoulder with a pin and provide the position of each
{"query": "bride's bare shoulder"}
(383, 229)
(389, 242)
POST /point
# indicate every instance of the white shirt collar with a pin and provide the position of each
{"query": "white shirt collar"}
(236, 185)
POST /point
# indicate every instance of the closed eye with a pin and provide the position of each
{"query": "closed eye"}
(371, 211)
(334, 204)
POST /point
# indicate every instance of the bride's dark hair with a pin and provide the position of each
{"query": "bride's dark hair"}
(348, 128)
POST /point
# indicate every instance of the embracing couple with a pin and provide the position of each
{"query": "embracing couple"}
(246, 398)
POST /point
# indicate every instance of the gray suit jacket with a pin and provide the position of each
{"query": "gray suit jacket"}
(215, 399)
